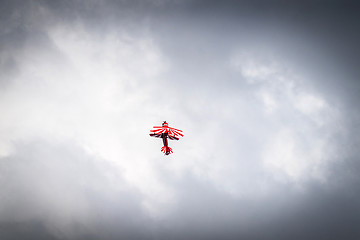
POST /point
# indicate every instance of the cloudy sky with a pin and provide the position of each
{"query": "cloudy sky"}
(266, 93)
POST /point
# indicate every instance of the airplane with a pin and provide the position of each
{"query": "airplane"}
(165, 132)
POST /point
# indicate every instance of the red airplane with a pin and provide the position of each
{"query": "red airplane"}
(166, 132)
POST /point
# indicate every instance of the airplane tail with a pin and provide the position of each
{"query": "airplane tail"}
(167, 150)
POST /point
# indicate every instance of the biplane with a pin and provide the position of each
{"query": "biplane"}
(165, 132)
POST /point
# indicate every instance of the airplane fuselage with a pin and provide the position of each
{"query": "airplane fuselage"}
(164, 137)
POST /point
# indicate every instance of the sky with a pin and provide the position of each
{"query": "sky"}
(266, 93)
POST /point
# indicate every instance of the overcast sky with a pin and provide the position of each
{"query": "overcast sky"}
(266, 92)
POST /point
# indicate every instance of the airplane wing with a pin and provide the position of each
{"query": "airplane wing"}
(173, 137)
(172, 131)
(155, 135)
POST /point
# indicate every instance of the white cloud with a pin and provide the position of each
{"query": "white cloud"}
(87, 82)
(104, 92)
(94, 90)
(301, 123)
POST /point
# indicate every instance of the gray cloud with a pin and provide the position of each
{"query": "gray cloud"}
(265, 92)
(57, 187)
